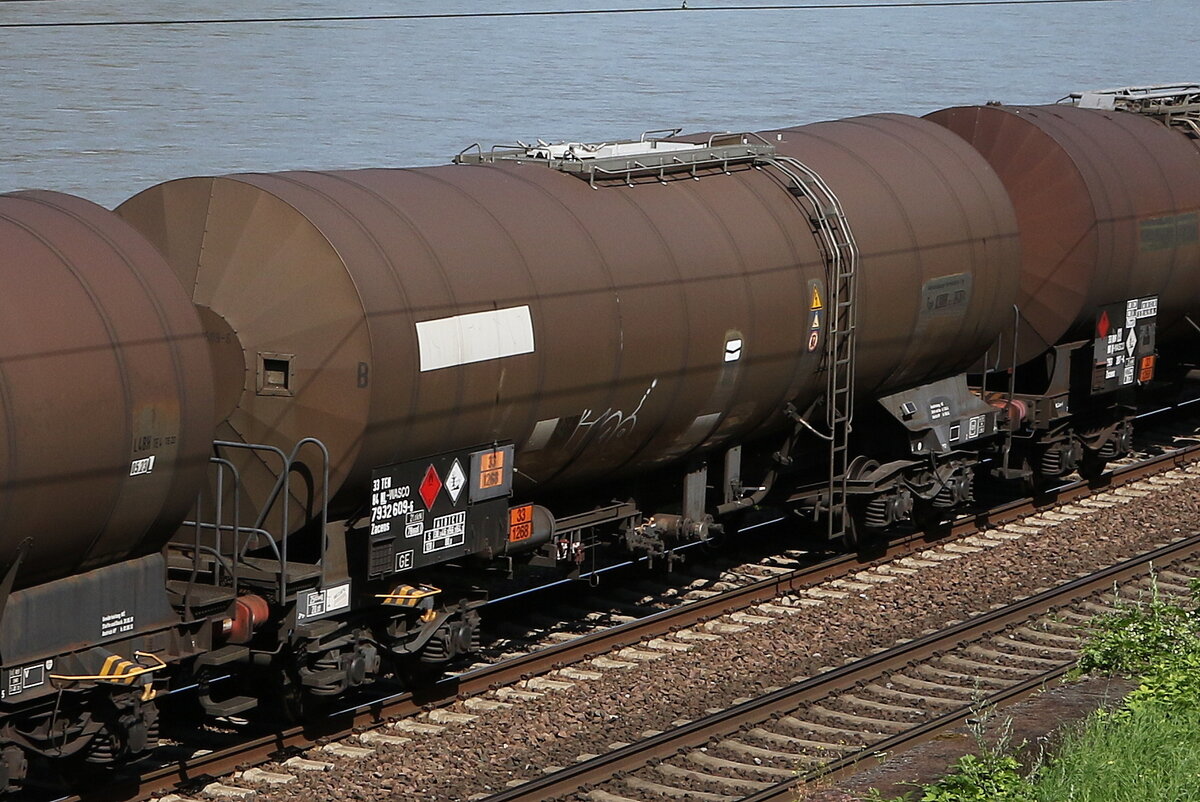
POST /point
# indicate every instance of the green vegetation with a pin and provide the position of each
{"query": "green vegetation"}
(1142, 636)
(1146, 750)
(1151, 755)
(988, 777)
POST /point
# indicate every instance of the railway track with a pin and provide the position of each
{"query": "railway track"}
(766, 747)
(391, 718)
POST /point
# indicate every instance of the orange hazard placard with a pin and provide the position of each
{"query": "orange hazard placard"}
(491, 470)
(520, 523)
(1146, 372)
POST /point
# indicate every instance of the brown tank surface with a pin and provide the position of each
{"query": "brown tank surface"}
(1107, 203)
(395, 313)
(105, 390)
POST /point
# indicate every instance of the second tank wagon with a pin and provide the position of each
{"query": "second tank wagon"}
(1107, 203)
(602, 326)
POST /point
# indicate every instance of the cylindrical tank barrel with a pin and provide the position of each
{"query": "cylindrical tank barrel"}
(105, 390)
(401, 312)
(1107, 203)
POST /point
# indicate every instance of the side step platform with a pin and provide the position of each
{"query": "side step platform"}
(202, 599)
(264, 573)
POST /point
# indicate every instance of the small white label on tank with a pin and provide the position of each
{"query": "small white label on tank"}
(733, 350)
(477, 337)
(141, 466)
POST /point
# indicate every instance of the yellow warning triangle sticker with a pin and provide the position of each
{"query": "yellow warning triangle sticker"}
(816, 299)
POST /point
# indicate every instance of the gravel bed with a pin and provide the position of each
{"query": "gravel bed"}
(520, 742)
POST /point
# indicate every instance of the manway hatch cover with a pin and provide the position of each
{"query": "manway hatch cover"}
(654, 155)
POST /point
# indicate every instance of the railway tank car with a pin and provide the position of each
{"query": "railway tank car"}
(453, 344)
(1108, 201)
(106, 399)
(603, 329)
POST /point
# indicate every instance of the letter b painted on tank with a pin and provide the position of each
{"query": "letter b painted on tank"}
(364, 374)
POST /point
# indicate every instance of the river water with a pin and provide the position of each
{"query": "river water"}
(104, 111)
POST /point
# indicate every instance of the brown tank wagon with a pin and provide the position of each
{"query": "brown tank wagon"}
(1109, 210)
(1107, 193)
(394, 312)
(105, 390)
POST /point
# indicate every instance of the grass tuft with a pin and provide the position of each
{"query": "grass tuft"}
(1150, 755)
(1143, 634)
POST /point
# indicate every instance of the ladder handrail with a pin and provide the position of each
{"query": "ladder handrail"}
(840, 250)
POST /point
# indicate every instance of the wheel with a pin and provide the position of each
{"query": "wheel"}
(867, 541)
(1092, 466)
(857, 532)
(1036, 482)
(926, 517)
(283, 701)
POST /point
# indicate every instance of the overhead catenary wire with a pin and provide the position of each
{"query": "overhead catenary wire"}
(683, 8)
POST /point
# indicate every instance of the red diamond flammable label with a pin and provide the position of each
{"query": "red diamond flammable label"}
(430, 486)
(1103, 325)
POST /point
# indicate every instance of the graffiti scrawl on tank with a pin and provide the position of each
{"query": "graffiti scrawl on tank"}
(611, 424)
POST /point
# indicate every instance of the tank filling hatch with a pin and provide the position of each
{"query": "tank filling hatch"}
(655, 155)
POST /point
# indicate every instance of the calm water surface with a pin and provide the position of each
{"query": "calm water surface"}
(106, 111)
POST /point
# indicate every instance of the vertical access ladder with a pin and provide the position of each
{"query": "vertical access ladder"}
(840, 252)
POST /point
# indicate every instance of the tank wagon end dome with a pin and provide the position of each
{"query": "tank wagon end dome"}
(283, 317)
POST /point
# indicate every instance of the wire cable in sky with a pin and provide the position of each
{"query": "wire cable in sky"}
(683, 8)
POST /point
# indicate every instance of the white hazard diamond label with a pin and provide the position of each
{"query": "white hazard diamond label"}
(456, 480)
(1130, 341)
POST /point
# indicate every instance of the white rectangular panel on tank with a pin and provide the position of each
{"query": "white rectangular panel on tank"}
(475, 337)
